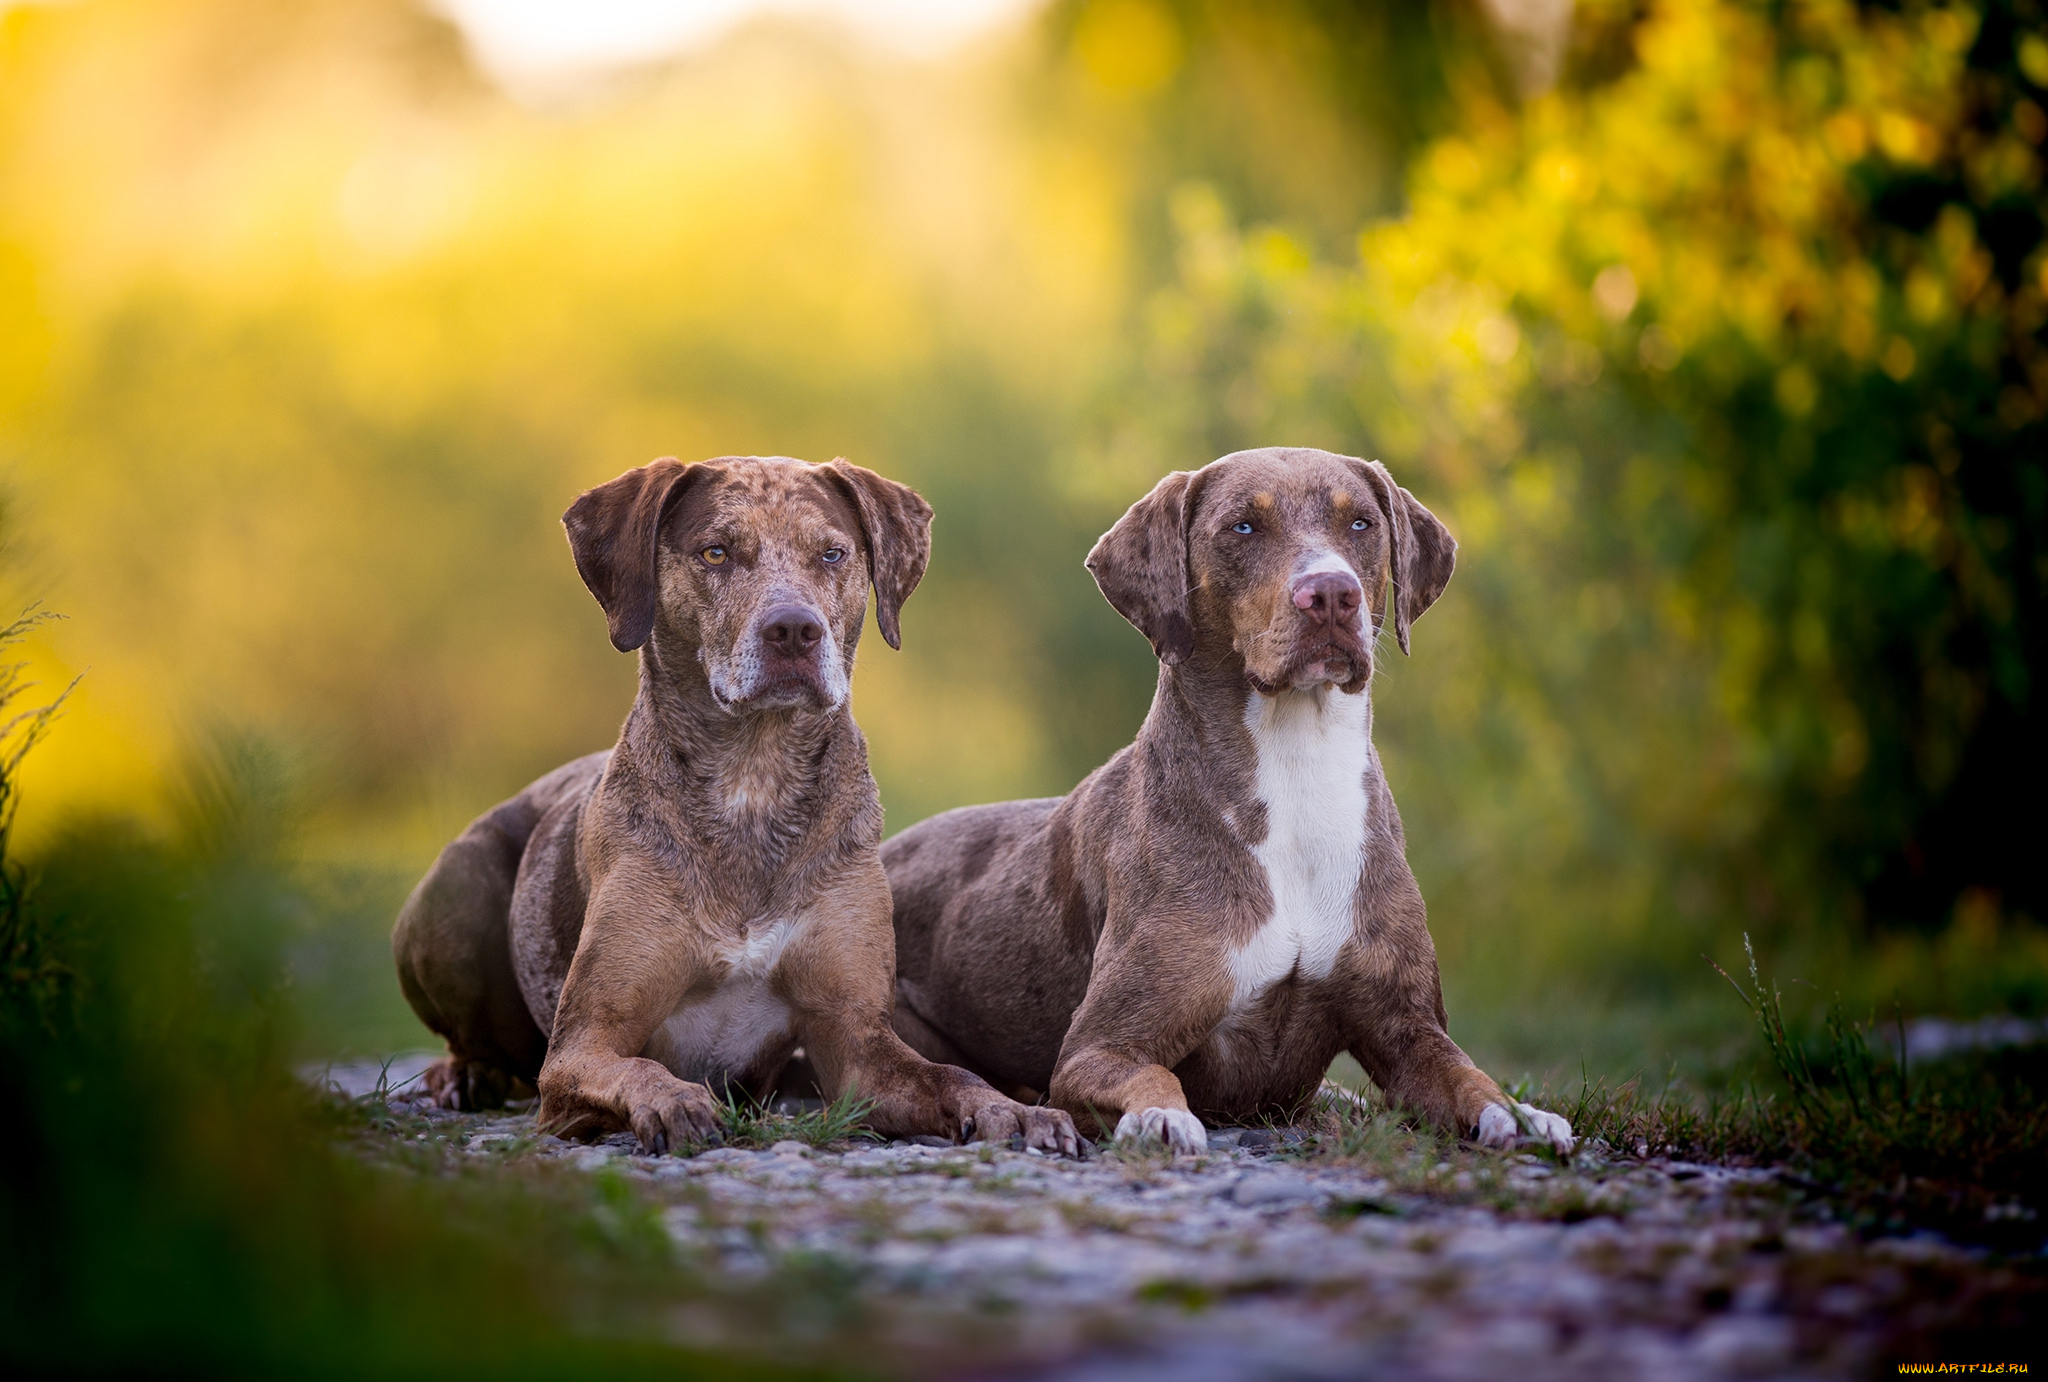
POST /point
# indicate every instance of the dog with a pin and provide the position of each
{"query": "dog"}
(643, 930)
(1203, 924)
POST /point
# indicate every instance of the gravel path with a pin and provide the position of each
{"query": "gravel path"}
(1270, 1259)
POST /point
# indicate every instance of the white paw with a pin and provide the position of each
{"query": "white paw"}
(1499, 1126)
(1180, 1130)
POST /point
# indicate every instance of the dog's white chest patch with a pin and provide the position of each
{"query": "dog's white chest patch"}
(718, 1037)
(1313, 750)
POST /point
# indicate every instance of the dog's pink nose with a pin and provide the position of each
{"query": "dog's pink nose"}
(1328, 596)
(792, 630)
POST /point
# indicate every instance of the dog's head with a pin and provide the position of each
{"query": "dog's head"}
(1281, 557)
(756, 566)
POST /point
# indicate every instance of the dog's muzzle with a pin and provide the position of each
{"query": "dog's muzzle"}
(1329, 633)
(790, 658)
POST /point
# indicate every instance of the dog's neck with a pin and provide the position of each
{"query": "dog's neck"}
(1203, 704)
(733, 774)
(1234, 749)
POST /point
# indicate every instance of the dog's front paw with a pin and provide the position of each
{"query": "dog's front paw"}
(1180, 1130)
(682, 1114)
(1501, 1126)
(1047, 1129)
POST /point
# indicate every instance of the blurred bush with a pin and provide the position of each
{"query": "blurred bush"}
(173, 1200)
(1725, 362)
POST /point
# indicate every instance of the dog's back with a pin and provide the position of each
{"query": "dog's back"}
(453, 941)
(975, 902)
(935, 862)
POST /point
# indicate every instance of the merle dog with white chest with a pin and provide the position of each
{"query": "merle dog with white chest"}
(1210, 918)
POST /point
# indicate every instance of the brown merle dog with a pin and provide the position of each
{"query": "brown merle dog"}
(642, 927)
(1211, 917)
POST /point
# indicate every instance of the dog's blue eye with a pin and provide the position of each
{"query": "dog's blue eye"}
(1359, 525)
(833, 554)
(1240, 527)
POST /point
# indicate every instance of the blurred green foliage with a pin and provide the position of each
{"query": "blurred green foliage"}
(1712, 329)
(1726, 364)
(175, 1200)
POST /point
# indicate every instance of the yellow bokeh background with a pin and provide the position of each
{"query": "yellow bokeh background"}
(312, 335)
(309, 332)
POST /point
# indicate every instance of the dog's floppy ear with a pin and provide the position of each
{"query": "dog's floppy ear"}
(1423, 549)
(615, 535)
(896, 523)
(1141, 566)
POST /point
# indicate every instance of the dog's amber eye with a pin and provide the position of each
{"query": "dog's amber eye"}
(1240, 527)
(1359, 525)
(833, 555)
(713, 556)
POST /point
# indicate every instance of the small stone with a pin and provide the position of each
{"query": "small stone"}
(718, 1156)
(1513, 1340)
(789, 1147)
(926, 1140)
(1744, 1344)
(1272, 1188)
